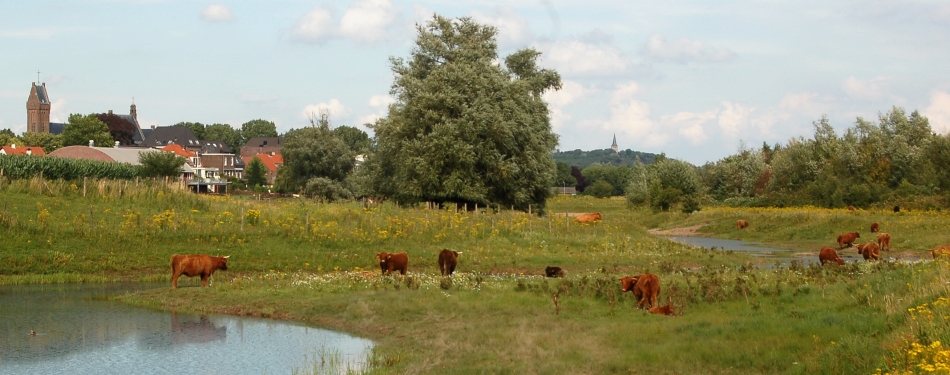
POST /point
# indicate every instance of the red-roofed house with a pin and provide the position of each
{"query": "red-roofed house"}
(28, 150)
(271, 162)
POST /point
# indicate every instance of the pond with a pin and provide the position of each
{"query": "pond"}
(75, 330)
(768, 255)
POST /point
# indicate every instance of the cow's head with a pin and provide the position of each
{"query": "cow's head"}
(224, 263)
(382, 256)
(627, 283)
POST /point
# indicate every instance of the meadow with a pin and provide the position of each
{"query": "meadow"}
(311, 262)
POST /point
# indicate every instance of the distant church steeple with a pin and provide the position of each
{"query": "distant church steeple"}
(614, 146)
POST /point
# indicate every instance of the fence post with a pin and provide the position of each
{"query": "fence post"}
(91, 220)
(242, 218)
(84, 187)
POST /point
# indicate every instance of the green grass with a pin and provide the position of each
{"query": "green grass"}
(314, 263)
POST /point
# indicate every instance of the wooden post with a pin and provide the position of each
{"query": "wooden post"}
(83, 187)
(476, 208)
(1, 177)
(242, 218)
(91, 220)
(308, 221)
(174, 222)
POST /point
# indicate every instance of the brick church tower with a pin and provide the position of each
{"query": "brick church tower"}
(37, 110)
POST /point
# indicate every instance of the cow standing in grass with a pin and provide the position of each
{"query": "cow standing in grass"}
(828, 255)
(741, 224)
(875, 227)
(645, 288)
(396, 261)
(870, 251)
(884, 241)
(196, 265)
(448, 259)
(847, 239)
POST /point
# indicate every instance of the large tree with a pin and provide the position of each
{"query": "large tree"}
(357, 140)
(315, 161)
(120, 129)
(81, 129)
(225, 133)
(258, 128)
(256, 173)
(466, 128)
(160, 164)
(48, 141)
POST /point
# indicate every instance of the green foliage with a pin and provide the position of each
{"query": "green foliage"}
(7, 138)
(161, 164)
(464, 128)
(357, 140)
(257, 128)
(224, 133)
(120, 129)
(583, 159)
(256, 172)
(313, 152)
(617, 177)
(81, 129)
(600, 189)
(327, 189)
(49, 142)
(638, 189)
(26, 166)
(563, 177)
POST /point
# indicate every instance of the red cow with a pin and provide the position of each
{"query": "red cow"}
(645, 288)
(827, 255)
(588, 218)
(196, 265)
(884, 241)
(742, 224)
(875, 227)
(395, 261)
(551, 271)
(382, 261)
(869, 250)
(942, 250)
(663, 310)
(447, 261)
(851, 208)
(847, 239)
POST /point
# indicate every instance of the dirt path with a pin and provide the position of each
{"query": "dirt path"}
(686, 231)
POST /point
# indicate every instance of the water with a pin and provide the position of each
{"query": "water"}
(78, 332)
(765, 253)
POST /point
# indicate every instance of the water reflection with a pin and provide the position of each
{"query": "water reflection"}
(79, 332)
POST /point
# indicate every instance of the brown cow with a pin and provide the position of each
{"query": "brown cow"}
(662, 310)
(395, 261)
(869, 250)
(196, 265)
(942, 250)
(847, 239)
(742, 224)
(875, 227)
(645, 288)
(551, 271)
(447, 261)
(884, 241)
(382, 261)
(827, 255)
(851, 208)
(588, 218)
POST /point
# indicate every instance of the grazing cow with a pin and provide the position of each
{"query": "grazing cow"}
(827, 255)
(870, 251)
(942, 250)
(588, 218)
(395, 261)
(847, 239)
(884, 241)
(447, 261)
(741, 224)
(645, 288)
(875, 227)
(196, 265)
(551, 271)
(851, 208)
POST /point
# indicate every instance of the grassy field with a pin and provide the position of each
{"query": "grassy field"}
(299, 260)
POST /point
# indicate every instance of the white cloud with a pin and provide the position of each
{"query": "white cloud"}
(938, 112)
(513, 30)
(577, 58)
(733, 118)
(37, 32)
(334, 107)
(690, 125)
(631, 118)
(57, 111)
(683, 51)
(369, 21)
(873, 89)
(380, 105)
(315, 27)
(569, 93)
(216, 13)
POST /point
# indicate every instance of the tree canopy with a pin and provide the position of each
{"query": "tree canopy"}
(160, 164)
(258, 128)
(465, 128)
(357, 140)
(81, 129)
(120, 129)
(224, 133)
(315, 161)
(197, 128)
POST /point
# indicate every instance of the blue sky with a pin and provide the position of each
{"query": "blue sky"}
(693, 79)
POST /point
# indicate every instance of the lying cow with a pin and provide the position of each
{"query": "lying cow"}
(942, 250)
(551, 271)
(847, 239)
(447, 261)
(588, 218)
(395, 261)
(663, 310)
(827, 255)
(884, 241)
(645, 288)
(742, 224)
(197, 265)
(870, 251)
(875, 227)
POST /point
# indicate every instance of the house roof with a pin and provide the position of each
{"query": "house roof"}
(270, 162)
(165, 135)
(56, 127)
(177, 149)
(265, 142)
(21, 150)
(122, 155)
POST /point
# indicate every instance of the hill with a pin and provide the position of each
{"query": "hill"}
(582, 159)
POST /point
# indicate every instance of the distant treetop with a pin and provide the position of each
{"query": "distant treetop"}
(583, 159)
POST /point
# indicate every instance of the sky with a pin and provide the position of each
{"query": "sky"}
(697, 80)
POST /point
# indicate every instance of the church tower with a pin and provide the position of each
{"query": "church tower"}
(37, 110)
(614, 146)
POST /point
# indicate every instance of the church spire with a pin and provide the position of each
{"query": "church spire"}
(614, 145)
